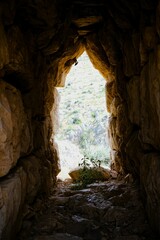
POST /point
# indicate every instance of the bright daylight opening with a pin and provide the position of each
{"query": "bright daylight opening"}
(82, 136)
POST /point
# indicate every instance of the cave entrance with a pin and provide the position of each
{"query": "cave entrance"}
(83, 118)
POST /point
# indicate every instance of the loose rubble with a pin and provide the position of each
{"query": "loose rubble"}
(103, 211)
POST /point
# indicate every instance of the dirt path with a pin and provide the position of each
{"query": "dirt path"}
(106, 211)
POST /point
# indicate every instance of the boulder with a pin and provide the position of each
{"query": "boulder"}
(15, 190)
(75, 174)
(14, 129)
(99, 172)
(11, 193)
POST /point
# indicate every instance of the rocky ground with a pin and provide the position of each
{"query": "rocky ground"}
(103, 211)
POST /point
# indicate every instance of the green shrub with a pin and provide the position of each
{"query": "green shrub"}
(88, 174)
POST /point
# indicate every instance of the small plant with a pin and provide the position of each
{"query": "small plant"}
(96, 163)
(88, 174)
(85, 162)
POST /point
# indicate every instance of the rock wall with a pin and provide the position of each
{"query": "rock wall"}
(28, 160)
(15, 131)
(19, 184)
(133, 101)
(39, 42)
(125, 50)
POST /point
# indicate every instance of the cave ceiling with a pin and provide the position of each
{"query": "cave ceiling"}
(52, 20)
(59, 28)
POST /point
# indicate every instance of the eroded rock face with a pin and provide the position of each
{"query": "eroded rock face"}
(16, 191)
(149, 84)
(4, 55)
(150, 166)
(15, 136)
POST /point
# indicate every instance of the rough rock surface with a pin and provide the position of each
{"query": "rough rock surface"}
(15, 136)
(110, 210)
(17, 190)
(103, 173)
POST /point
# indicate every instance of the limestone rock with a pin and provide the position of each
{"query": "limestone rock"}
(114, 106)
(99, 58)
(125, 15)
(110, 94)
(24, 180)
(54, 111)
(158, 57)
(6, 133)
(1, 198)
(109, 210)
(13, 126)
(46, 12)
(150, 179)
(150, 115)
(18, 71)
(114, 139)
(149, 37)
(115, 214)
(101, 172)
(48, 40)
(116, 161)
(113, 100)
(21, 133)
(4, 56)
(75, 174)
(128, 178)
(78, 226)
(110, 42)
(143, 54)
(11, 193)
(61, 201)
(123, 127)
(113, 174)
(104, 172)
(15, 189)
(158, 19)
(32, 167)
(64, 64)
(18, 54)
(133, 89)
(134, 148)
(131, 61)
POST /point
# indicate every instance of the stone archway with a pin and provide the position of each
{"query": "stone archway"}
(39, 41)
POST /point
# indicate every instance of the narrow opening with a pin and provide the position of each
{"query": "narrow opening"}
(83, 117)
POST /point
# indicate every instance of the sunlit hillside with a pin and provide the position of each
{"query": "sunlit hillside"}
(83, 115)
